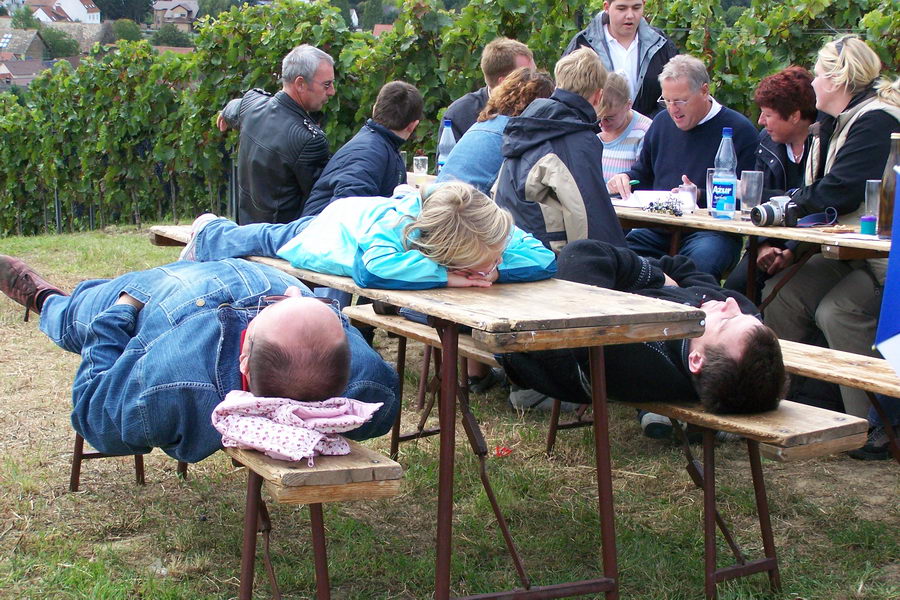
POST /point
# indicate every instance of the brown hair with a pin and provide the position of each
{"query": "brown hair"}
(788, 91)
(398, 104)
(516, 92)
(309, 372)
(755, 383)
(581, 72)
(498, 59)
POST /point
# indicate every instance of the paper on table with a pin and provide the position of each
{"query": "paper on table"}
(642, 198)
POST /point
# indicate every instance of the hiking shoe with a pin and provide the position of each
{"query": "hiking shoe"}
(190, 250)
(479, 385)
(523, 400)
(877, 445)
(21, 283)
(727, 436)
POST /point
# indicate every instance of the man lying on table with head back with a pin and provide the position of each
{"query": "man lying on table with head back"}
(161, 348)
(734, 367)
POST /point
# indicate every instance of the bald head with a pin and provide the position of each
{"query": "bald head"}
(296, 349)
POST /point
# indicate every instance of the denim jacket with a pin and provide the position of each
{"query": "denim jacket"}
(151, 378)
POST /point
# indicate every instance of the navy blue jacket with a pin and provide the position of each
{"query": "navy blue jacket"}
(368, 165)
(552, 176)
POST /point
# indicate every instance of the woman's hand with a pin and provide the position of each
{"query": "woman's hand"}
(454, 279)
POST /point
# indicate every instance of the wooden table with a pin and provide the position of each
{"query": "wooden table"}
(521, 317)
(832, 245)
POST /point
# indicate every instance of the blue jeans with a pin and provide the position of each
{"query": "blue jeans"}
(711, 251)
(226, 239)
(151, 378)
(891, 408)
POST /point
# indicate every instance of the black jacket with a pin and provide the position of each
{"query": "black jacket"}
(645, 372)
(282, 153)
(368, 165)
(552, 176)
(654, 51)
(464, 111)
(778, 176)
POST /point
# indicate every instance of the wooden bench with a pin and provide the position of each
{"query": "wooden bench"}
(362, 474)
(79, 455)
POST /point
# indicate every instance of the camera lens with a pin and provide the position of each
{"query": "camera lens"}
(761, 215)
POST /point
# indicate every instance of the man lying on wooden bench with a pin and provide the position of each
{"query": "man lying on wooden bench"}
(161, 349)
(734, 367)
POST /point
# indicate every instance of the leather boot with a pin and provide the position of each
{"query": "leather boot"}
(21, 283)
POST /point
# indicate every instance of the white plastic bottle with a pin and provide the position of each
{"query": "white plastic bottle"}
(445, 144)
(723, 204)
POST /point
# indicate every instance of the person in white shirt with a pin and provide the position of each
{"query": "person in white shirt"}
(625, 42)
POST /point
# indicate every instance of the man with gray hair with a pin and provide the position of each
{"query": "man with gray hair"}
(678, 148)
(282, 148)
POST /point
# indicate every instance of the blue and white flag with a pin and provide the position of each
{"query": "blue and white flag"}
(887, 339)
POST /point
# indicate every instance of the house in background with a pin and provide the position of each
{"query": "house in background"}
(180, 13)
(22, 44)
(64, 11)
(86, 34)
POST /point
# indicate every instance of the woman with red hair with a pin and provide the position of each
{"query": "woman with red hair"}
(787, 108)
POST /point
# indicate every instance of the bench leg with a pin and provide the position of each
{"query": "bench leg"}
(248, 549)
(423, 377)
(554, 425)
(182, 470)
(139, 469)
(320, 556)
(762, 510)
(77, 454)
(401, 372)
(709, 512)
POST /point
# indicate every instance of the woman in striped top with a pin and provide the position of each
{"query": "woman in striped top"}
(622, 128)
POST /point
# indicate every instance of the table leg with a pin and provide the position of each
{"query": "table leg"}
(604, 469)
(752, 255)
(449, 333)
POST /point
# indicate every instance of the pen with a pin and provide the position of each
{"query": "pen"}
(633, 182)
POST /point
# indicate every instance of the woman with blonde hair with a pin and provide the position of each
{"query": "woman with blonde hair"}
(455, 237)
(831, 301)
(476, 158)
(621, 128)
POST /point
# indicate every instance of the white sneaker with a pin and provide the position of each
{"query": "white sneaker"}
(190, 250)
(655, 426)
(522, 400)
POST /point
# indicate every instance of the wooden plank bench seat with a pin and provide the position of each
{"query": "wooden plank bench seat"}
(364, 473)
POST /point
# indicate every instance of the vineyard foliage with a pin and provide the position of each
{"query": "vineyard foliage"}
(130, 134)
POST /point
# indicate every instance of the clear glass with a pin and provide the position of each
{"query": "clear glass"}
(687, 193)
(710, 172)
(404, 159)
(420, 165)
(750, 190)
(873, 196)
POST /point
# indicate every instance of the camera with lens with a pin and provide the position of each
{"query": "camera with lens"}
(779, 210)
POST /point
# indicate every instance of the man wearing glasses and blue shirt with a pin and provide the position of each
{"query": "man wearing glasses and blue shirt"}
(161, 348)
(282, 148)
(678, 148)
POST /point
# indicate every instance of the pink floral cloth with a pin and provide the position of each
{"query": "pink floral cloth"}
(287, 429)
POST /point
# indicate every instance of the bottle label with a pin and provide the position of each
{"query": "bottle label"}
(723, 200)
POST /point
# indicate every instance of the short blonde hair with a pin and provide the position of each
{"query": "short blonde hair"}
(616, 94)
(498, 59)
(849, 63)
(459, 227)
(581, 72)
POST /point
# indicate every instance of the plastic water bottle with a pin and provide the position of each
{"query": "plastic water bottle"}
(445, 144)
(723, 204)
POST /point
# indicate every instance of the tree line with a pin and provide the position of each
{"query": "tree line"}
(130, 134)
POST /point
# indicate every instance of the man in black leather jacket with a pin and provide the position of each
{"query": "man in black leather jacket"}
(282, 148)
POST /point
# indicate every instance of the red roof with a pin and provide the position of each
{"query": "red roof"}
(381, 28)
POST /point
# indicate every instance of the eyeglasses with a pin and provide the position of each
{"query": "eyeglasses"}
(676, 103)
(470, 272)
(326, 85)
(266, 301)
(839, 43)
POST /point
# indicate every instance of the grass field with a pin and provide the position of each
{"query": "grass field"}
(836, 520)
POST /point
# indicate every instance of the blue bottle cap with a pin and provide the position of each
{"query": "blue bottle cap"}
(448, 123)
(726, 132)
